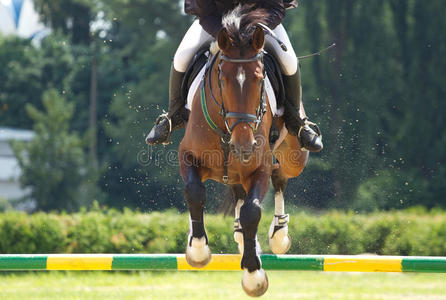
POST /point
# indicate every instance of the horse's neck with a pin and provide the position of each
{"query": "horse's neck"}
(213, 90)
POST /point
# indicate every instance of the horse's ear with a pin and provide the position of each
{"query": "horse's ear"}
(258, 38)
(224, 41)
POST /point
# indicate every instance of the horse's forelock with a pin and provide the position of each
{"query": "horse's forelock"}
(241, 22)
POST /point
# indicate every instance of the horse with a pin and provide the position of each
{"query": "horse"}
(227, 140)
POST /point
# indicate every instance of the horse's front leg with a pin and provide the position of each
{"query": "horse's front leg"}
(198, 253)
(255, 281)
(239, 195)
(279, 239)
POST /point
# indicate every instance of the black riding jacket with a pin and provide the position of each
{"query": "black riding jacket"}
(210, 12)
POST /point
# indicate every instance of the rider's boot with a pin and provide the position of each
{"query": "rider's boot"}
(173, 119)
(308, 138)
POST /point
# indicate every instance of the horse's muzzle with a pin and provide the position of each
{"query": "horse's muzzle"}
(243, 153)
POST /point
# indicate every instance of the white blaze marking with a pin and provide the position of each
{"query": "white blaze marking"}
(241, 77)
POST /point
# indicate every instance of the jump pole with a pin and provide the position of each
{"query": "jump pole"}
(223, 262)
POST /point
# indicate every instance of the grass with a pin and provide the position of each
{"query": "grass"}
(218, 285)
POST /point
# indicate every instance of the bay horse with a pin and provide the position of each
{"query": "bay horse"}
(227, 140)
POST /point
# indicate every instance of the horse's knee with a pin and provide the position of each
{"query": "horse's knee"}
(195, 194)
(278, 180)
(250, 214)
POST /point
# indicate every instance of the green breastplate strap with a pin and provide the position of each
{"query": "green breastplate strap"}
(224, 137)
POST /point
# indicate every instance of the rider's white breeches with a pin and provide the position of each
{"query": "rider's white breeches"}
(287, 60)
(196, 37)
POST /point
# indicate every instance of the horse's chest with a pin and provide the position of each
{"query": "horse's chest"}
(213, 163)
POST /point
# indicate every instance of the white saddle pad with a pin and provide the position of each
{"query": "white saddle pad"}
(268, 88)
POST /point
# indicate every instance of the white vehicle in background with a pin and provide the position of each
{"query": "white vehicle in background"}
(19, 17)
(10, 188)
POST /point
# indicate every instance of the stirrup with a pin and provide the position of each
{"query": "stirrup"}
(309, 123)
(164, 115)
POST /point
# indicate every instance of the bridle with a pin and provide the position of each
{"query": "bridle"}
(239, 117)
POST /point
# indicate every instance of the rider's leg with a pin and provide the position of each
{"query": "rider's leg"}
(308, 138)
(194, 39)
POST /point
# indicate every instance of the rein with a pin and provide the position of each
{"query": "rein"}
(239, 117)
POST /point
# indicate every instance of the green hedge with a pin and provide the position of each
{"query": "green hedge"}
(391, 233)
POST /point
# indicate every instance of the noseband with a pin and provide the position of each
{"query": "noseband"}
(239, 117)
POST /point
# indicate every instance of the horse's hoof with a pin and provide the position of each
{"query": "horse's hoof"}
(198, 253)
(238, 237)
(280, 243)
(255, 284)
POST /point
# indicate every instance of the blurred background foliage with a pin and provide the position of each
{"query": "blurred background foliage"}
(414, 231)
(379, 97)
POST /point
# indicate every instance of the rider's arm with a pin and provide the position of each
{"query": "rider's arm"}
(276, 10)
(212, 24)
(290, 4)
(206, 11)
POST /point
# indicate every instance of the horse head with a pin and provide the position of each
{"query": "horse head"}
(241, 78)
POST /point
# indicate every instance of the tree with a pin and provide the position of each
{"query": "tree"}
(379, 99)
(72, 17)
(28, 71)
(54, 163)
(19, 80)
(145, 35)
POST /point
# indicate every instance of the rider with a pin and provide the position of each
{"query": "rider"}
(202, 32)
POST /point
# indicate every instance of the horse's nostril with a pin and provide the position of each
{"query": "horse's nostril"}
(232, 147)
(246, 156)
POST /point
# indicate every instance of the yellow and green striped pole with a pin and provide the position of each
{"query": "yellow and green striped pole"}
(223, 262)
